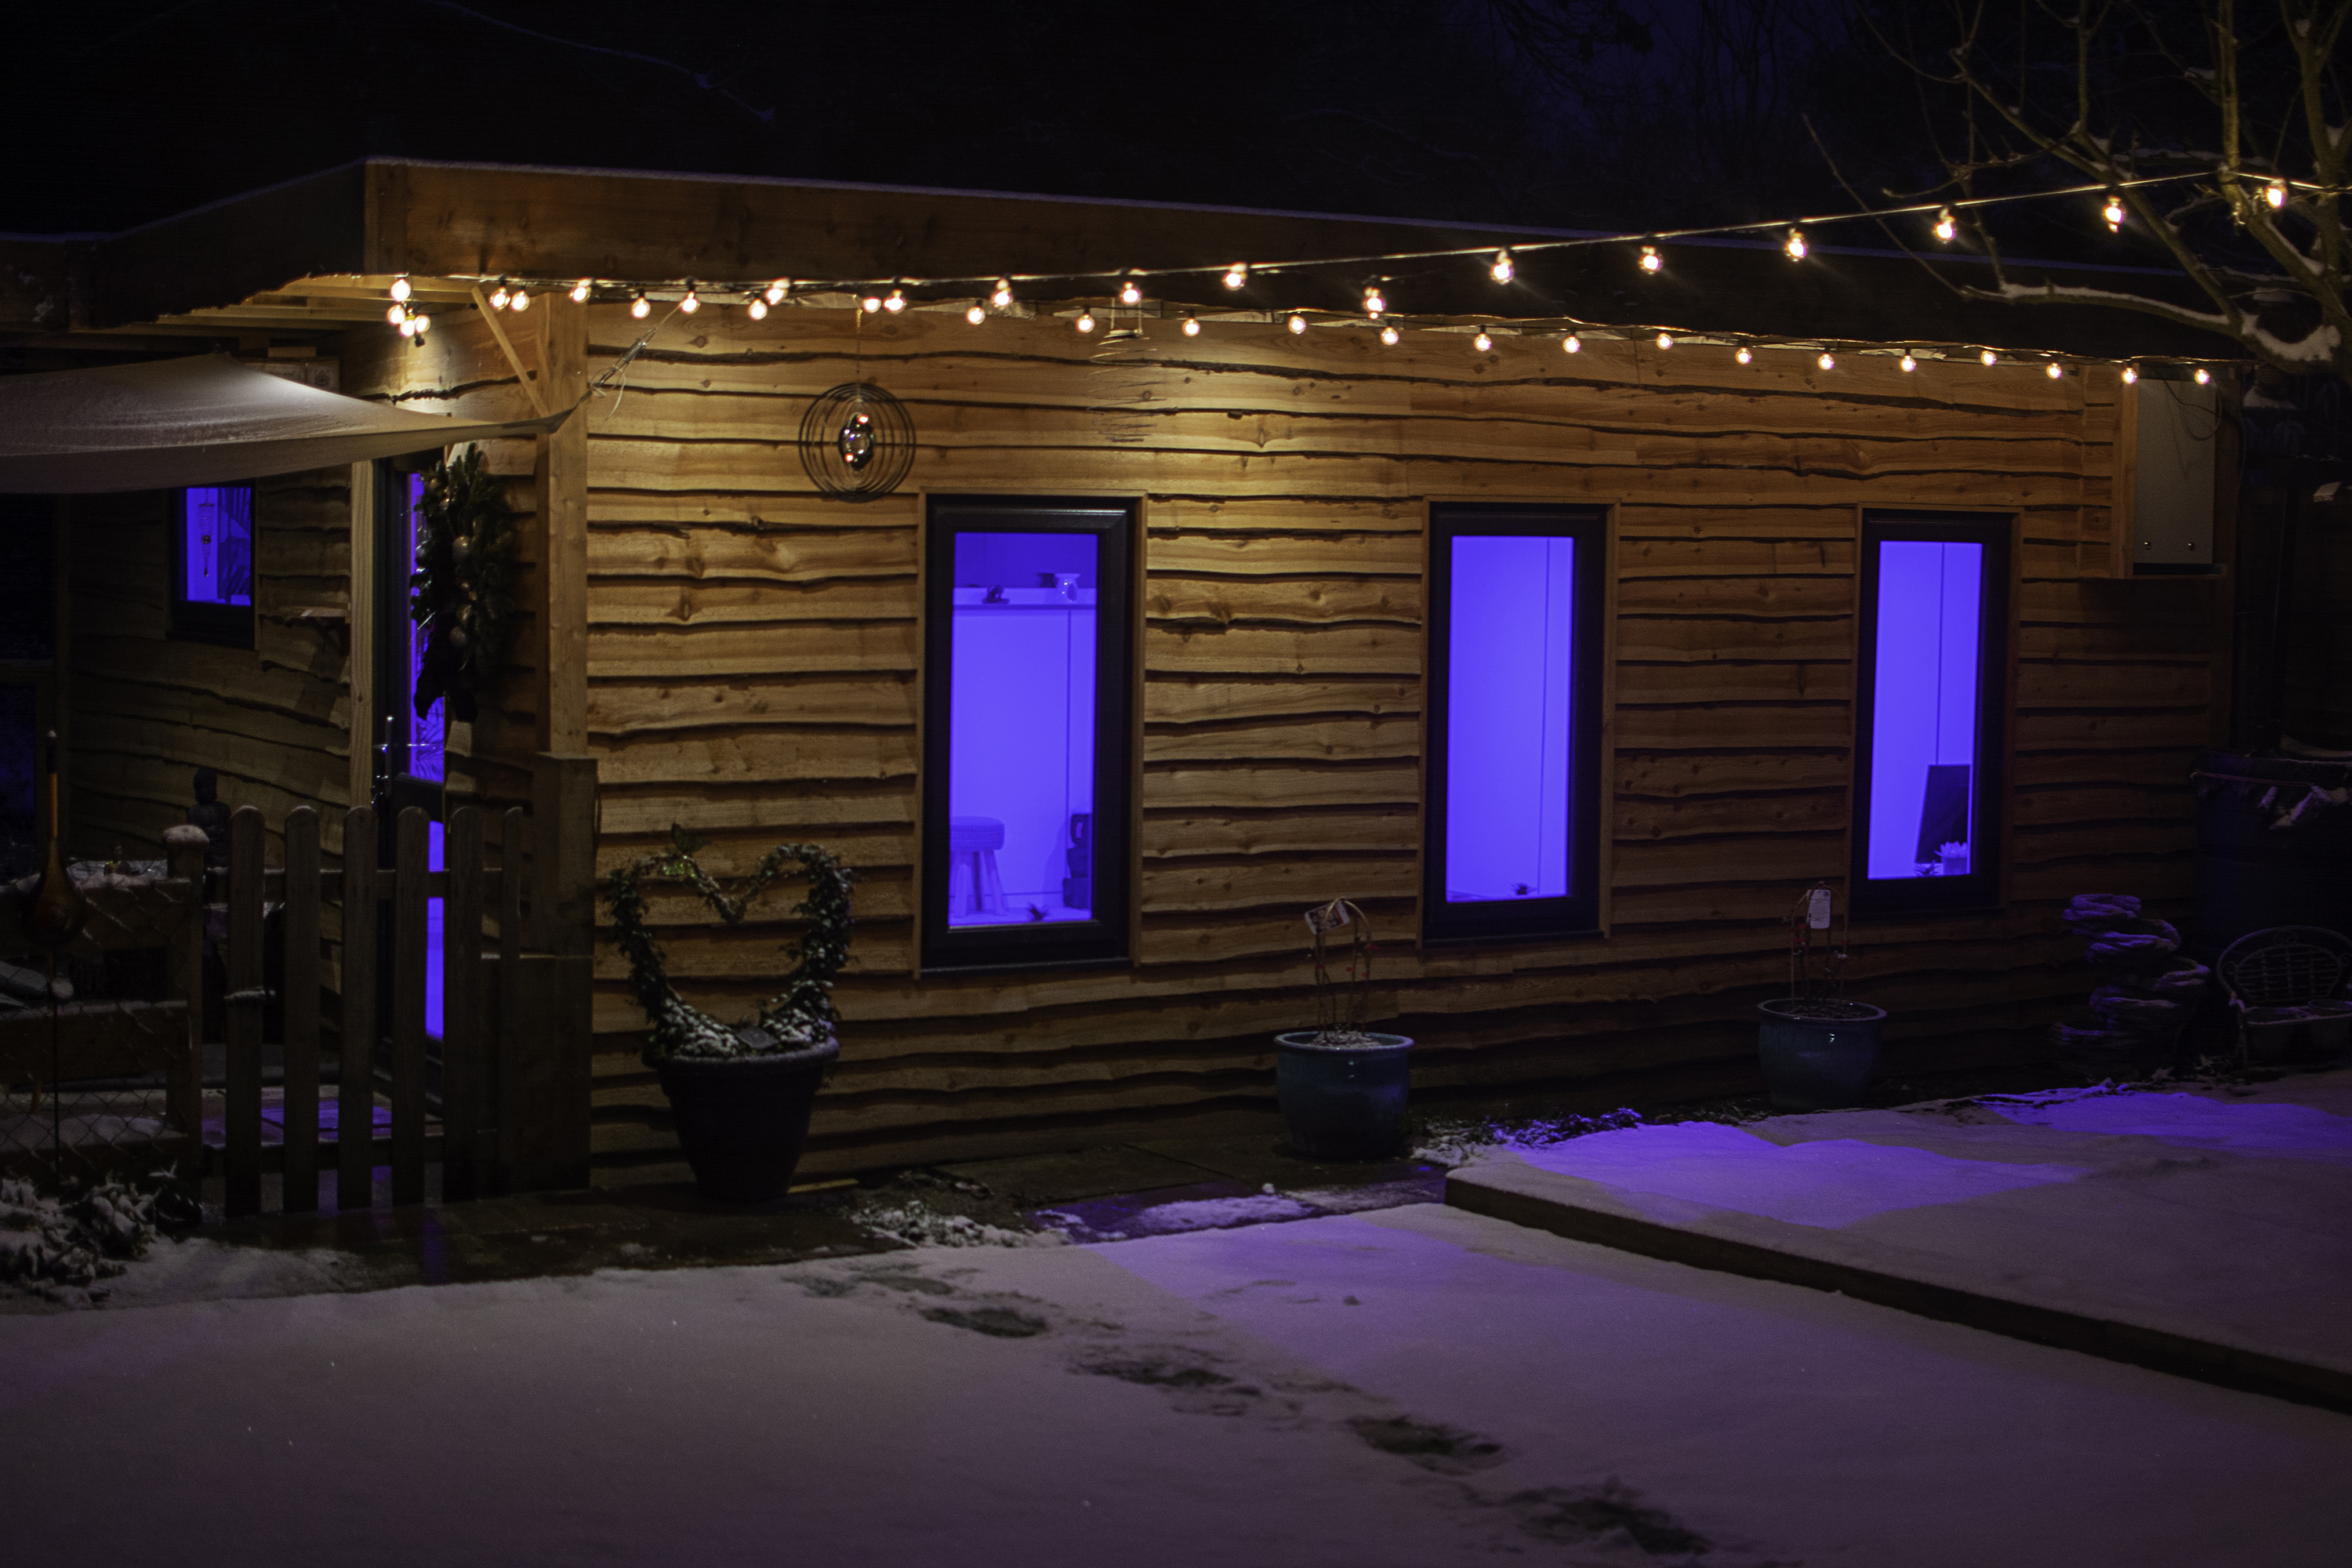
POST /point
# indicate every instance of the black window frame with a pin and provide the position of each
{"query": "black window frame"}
(1980, 889)
(225, 625)
(1106, 939)
(1578, 912)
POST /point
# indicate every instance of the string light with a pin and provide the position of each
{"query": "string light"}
(640, 307)
(579, 292)
(1482, 342)
(1650, 262)
(1236, 275)
(407, 327)
(1389, 335)
(1743, 356)
(778, 290)
(2054, 370)
(977, 314)
(1502, 269)
(1666, 340)
(1990, 358)
(692, 302)
(396, 315)
(1827, 363)
(400, 289)
(1947, 226)
(1085, 321)
(1571, 344)
(2203, 376)
(521, 301)
(870, 304)
(1191, 325)
(758, 307)
(1796, 245)
(2114, 212)
(1298, 323)
(2276, 194)
(1129, 294)
(1909, 365)
(1003, 296)
(2131, 375)
(896, 302)
(499, 296)
(1374, 301)
(422, 324)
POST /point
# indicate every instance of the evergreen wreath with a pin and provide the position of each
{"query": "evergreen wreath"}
(800, 1014)
(462, 592)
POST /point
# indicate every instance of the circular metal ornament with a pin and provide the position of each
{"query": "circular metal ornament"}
(857, 441)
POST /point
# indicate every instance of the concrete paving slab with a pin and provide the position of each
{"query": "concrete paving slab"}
(2203, 1233)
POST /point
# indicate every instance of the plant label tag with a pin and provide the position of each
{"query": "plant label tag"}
(1329, 917)
(1817, 909)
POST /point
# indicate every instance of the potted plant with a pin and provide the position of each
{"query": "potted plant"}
(1819, 1050)
(741, 1094)
(1342, 1088)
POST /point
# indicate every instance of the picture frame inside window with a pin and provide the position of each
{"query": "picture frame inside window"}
(211, 535)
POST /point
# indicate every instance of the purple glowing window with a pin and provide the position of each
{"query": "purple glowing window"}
(1925, 774)
(217, 545)
(1509, 703)
(1021, 729)
(427, 733)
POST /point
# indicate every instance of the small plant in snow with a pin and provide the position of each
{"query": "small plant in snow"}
(55, 1245)
(919, 1226)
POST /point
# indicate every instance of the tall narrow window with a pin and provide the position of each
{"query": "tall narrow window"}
(1934, 642)
(211, 565)
(1514, 652)
(1025, 758)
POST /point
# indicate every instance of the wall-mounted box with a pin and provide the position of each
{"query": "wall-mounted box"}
(2176, 434)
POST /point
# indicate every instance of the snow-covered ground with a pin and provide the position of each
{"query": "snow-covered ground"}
(1419, 1386)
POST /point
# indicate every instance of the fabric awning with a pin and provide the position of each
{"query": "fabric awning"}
(204, 421)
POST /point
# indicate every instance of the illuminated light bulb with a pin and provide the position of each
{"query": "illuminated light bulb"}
(1826, 362)
(691, 303)
(1389, 334)
(1650, 262)
(2204, 378)
(1192, 326)
(1502, 269)
(977, 314)
(1990, 358)
(1571, 344)
(2054, 370)
(1947, 226)
(1130, 293)
(2113, 211)
(1909, 365)
(423, 324)
(871, 303)
(2276, 194)
(1003, 296)
(2131, 375)
(396, 315)
(400, 288)
(1666, 340)
(1085, 322)
(776, 291)
(896, 302)
(1298, 323)
(759, 308)
(1236, 275)
(520, 303)
(1743, 356)
(579, 292)
(407, 327)
(1482, 342)
(499, 296)
(1796, 245)
(640, 307)
(1374, 301)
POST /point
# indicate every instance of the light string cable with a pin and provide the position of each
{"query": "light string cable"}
(617, 369)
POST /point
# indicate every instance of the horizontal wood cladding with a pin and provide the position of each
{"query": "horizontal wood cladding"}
(755, 656)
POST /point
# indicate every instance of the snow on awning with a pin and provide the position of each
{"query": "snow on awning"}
(202, 421)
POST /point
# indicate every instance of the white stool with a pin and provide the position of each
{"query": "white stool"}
(973, 886)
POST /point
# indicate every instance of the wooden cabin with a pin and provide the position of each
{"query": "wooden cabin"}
(741, 653)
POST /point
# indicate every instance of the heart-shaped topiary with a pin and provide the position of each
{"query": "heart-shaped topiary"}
(800, 1014)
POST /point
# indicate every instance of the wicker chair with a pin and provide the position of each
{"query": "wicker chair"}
(2286, 979)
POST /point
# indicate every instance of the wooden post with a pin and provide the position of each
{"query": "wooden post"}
(242, 1157)
(560, 650)
(184, 845)
(461, 1007)
(548, 1101)
(355, 1090)
(510, 1058)
(360, 664)
(407, 981)
(301, 1010)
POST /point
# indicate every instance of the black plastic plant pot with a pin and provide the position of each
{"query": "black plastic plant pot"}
(1818, 1055)
(1343, 1102)
(743, 1122)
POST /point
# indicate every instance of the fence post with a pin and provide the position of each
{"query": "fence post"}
(356, 1069)
(547, 1100)
(184, 848)
(242, 1157)
(461, 1007)
(301, 1005)
(408, 899)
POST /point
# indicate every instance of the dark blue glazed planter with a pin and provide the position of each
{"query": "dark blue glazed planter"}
(1818, 1055)
(743, 1123)
(1345, 1102)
